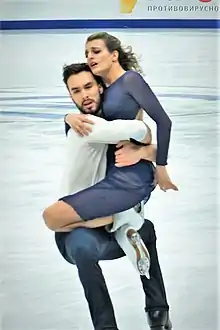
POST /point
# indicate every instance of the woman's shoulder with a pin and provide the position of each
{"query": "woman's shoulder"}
(132, 76)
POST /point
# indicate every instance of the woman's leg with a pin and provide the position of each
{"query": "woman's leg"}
(61, 217)
(102, 200)
(100, 222)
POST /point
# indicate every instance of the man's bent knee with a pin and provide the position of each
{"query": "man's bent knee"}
(81, 246)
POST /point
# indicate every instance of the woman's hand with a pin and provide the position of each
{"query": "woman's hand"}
(80, 123)
(163, 179)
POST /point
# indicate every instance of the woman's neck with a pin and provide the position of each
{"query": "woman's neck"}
(114, 73)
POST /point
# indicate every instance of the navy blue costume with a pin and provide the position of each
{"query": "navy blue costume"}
(124, 187)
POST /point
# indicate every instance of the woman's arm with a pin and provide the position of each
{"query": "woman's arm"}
(140, 91)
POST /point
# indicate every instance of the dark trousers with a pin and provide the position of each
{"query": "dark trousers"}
(86, 247)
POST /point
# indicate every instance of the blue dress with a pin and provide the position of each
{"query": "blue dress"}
(124, 187)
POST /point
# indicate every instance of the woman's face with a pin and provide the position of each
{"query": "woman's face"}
(99, 58)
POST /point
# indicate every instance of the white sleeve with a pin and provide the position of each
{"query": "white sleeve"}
(111, 132)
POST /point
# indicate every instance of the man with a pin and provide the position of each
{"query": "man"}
(85, 247)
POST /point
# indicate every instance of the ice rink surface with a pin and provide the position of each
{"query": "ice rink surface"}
(39, 290)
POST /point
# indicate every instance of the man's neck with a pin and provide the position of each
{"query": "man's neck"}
(99, 113)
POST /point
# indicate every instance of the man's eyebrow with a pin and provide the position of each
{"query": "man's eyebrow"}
(73, 88)
(88, 83)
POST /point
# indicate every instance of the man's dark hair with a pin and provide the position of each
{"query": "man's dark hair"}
(75, 68)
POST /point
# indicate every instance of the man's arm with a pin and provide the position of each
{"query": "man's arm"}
(110, 132)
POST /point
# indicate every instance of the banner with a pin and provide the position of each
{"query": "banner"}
(171, 9)
(114, 9)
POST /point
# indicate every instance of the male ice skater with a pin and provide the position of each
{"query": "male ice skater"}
(85, 247)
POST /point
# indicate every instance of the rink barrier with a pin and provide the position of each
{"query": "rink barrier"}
(110, 24)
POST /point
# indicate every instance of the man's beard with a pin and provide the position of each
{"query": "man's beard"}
(96, 112)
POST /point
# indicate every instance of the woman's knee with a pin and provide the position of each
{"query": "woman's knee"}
(48, 216)
(58, 215)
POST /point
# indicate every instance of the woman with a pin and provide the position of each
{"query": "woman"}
(109, 60)
(126, 93)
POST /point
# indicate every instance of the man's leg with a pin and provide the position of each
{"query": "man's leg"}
(156, 301)
(96, 244)
(85, 247)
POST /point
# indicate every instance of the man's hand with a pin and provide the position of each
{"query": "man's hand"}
(130, 154)
(80, 123)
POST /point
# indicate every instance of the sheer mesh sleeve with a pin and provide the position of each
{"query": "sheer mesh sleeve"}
(136, 87)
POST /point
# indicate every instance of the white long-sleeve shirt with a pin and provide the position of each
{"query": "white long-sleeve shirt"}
(85, 159)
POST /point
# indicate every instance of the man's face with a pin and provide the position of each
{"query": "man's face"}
(85, 92)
